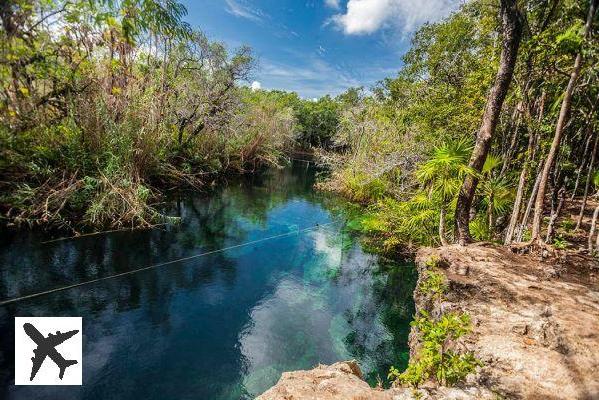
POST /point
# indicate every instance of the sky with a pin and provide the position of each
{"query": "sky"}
(317, 47)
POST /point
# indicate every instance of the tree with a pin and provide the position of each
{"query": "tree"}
(559, 130)
(495, 191)
(442, 175)
(512, 31)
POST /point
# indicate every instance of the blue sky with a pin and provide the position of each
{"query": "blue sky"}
(318, 47)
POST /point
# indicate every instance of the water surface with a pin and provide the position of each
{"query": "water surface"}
(220, 326)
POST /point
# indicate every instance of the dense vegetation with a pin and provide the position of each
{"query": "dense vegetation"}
(105, 104)
(492, 122)
(488, 132)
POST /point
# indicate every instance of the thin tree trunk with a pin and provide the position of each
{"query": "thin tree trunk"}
(490, 219)
(559, 130)
(588, 184)
(533, 195)
(555, 215)
(582, 164)
(442, 226)
(535, 187)
(513, 141)
(592, 230)
(512, 31)
(589, 132)
(520, 193)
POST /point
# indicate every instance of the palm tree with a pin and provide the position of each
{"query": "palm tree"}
(496, 191)
(442, 176)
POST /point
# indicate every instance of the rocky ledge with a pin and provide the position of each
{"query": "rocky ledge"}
(535, 329)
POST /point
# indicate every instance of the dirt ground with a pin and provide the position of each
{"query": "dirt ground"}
(536, 321)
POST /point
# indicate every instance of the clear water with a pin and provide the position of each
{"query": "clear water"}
(221, 326)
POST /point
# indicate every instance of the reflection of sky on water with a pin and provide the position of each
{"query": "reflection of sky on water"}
(223, 326)
(318, 316)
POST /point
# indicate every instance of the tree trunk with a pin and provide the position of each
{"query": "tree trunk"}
(559, 130)
(583, 162)
(533, 195)
(512, 31)
(555, 215)
(592, 230)
(490, 219)
(588, 184)
(520, 193)
(513, 141)
(536, 147)
(442, 226)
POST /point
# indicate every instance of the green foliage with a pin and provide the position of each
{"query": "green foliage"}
(93, 124)
(84, 100)
(435, 359)
(361, 188)
(560, 243)
(432, 262)
(434, 284)
(317, 121)
(568, 225)
(442, 174)
(479, 228)
(413, 136)
(571, 40)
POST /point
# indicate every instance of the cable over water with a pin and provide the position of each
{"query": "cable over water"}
(88, 282)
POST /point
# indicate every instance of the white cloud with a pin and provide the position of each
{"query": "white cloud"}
(332, 3)
(368, 16)
(256, 85)
(242, 10)
(313, 77)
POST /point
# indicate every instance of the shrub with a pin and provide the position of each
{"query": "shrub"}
(560, 243)
(434, 284)
(568, 225)
(435, 359)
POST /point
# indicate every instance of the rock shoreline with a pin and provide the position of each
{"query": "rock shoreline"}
(535, 328)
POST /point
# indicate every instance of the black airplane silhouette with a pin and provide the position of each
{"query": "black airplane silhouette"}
(46, 347)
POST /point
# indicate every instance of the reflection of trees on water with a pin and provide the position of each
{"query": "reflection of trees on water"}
(224, 218)
(207, 223)
(379, 317)
(345, 304)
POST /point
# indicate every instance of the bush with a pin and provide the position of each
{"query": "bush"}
(560, 243)
(435, 359)
(434, 284)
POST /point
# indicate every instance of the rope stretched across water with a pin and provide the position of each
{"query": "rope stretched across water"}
(162, 264)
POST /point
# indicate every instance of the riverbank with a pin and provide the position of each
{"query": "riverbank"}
(534, 329)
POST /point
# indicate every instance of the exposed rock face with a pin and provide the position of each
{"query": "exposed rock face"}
(342, 380)
(536, 323)
(535, 327)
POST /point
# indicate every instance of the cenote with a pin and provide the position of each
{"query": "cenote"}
(224, 325)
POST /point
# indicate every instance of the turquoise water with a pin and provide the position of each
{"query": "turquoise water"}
(221, 326)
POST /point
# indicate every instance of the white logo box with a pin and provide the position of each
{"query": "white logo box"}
(70, 350)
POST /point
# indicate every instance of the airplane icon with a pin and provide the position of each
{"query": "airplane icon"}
(46, 346)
